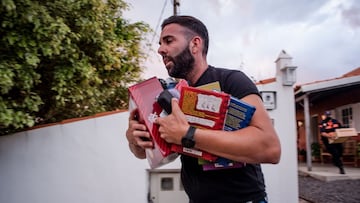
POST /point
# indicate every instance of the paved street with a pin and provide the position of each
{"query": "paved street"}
(324, 184)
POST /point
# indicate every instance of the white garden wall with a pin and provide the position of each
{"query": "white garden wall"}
(83, 161)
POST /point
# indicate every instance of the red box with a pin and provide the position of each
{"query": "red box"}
(143, 95)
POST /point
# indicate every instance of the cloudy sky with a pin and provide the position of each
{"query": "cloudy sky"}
(322, 36)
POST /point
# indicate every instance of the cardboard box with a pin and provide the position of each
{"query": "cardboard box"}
(238, 115)
(343, 134)
(203, 109)
(143, 96)
(222, 163)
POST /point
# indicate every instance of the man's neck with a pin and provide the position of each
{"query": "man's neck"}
(199, 69)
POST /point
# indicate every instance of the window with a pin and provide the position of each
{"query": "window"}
(167, 184)
(347, 117)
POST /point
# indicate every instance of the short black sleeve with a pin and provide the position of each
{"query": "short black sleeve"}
(233, 82)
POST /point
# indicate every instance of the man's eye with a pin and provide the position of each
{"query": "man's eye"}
(168, 41)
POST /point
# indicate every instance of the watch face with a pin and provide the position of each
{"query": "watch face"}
(187, 142)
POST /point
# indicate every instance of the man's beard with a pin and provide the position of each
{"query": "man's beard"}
(183, 64)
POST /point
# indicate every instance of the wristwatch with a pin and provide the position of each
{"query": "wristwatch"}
(188, 139)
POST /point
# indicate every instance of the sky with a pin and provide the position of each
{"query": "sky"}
(322, 36)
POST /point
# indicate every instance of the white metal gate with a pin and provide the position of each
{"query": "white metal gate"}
(165, 186)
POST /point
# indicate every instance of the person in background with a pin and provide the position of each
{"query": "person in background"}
(327, 131)
(183, 46)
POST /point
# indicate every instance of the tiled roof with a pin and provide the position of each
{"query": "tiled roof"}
(354, 72)
(266, 81)
(70, 120)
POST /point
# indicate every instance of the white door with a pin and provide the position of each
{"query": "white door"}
(166, 187)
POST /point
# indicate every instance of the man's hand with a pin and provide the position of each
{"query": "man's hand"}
(330, 135)
(174, 126)
(137, 135)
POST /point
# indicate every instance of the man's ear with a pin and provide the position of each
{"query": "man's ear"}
(195, 44)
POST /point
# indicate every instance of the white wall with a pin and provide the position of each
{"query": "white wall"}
(84, 161)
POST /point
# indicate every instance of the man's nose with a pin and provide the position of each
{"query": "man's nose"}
(161, 50)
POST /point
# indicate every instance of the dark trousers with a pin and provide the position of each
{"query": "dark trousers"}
(336, 151)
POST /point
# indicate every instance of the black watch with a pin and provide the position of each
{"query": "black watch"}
(188, 139)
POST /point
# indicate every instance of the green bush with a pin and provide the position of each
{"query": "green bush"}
(315, 149)
(64, 59)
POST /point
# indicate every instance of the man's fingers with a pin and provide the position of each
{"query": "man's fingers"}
(142, 137)
(133, 114)
(175, 106)
(146, 144)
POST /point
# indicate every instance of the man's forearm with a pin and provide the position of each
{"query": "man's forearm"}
(328, 135)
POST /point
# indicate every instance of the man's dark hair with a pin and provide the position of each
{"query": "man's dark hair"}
(192, 24)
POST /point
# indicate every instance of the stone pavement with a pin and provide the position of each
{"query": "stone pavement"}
(328, 172)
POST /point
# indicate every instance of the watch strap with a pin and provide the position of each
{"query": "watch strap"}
(190, 133)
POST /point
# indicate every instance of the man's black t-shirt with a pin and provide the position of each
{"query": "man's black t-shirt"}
(328, 125)
(228, 185)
